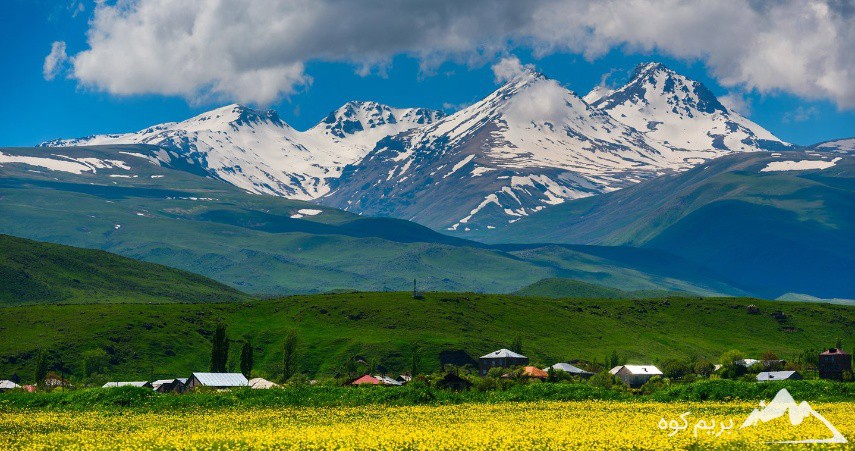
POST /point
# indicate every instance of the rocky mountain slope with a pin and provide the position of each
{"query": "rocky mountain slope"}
(527, 146)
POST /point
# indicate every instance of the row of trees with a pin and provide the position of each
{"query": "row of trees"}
(220, 353)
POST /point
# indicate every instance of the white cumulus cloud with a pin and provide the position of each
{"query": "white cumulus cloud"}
(55, 61)
(509, 68)
(256, 51)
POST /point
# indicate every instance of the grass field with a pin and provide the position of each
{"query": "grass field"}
(544, 425)
(34, 273)
(172, 340)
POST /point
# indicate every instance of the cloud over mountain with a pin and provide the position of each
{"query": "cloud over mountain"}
(256, 51)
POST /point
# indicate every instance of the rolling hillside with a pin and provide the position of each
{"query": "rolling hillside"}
(166, 340)
(119, 199)
(34, 273)
(558, 288)
(769, 223)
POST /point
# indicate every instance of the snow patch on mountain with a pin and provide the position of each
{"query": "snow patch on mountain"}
(801, 165)
(260, 153)
(64, 163)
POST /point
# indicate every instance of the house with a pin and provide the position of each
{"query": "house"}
(258, 383)
(169, 385)
(767, 376)
(221, 381)
(502, 358)
(144, 384)
(6, 385)
(833, 363)
(454, 382)
(534, 372)
(635, 375)
(55, 380)
(568, 368)
(386, 380)
(747, 363)
(367, 379)
(404, 378)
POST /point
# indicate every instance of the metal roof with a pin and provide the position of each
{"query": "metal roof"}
(221, 379)
(386, 380)
(8, 385)
(125, 384)
(503, 353)
(643, 369)
(615, 369)
(566, 367)
(775, 375)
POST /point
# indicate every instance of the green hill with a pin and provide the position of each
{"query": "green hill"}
(32, 272)
(166, 340)
(267, 245)
(765, 232)
(557, 288)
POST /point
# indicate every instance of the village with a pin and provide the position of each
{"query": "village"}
(510, 367)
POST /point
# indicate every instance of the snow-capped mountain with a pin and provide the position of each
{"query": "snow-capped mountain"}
(681, 113)
(530, 144)
(257, 151)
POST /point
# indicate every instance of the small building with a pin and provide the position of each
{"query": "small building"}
(404, 378)
(365, 380)
(144, 384)
(570, 369)
(386, 380)
(454, 382)
(6, 385)
(258, 383)
(832, 363)
(767, 376)
(175, 385)
(747, 363)
(221, 381)
(534, 372)
(636, 375)
(502, 358)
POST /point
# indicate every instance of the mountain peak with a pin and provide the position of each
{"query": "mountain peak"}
(357, 116)
(236, 114)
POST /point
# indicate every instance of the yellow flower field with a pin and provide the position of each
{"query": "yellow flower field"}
(538, 425)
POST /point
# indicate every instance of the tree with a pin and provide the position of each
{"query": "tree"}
(219, 349)
(246, 359)
(41, 367)
(416, 360)
(613, 360)
(768, 355)
(289, 361)
(517, 345)
(94, 361)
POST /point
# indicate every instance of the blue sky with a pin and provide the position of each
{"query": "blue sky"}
(35, 109)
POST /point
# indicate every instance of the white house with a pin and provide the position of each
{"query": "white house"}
(8, 385)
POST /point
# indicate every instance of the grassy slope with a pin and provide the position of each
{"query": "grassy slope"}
(34, 272)
(173, 339)
(251, 242)
(556, 287)
(768, 233)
